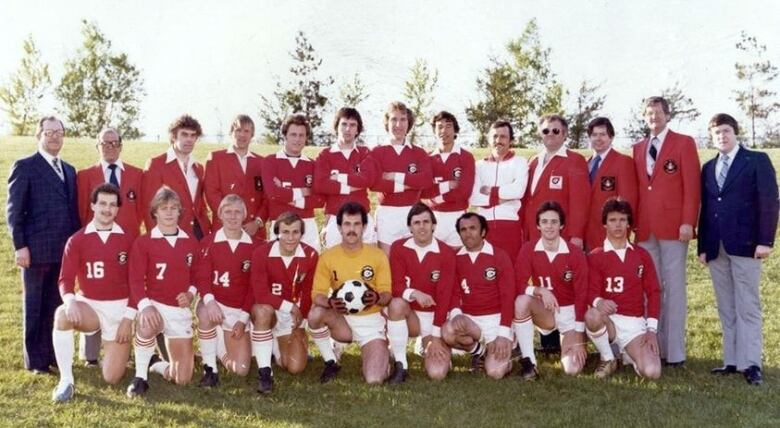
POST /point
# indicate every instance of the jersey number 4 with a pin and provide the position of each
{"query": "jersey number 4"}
(615, 284)
(465, 286)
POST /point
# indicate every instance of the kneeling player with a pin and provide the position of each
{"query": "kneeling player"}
(351, 260)
(97, 256)
(423, 277)
(226, 294)
(162, 274)
(622, 279)
(552, 287)
(282, 274)
(487, 295)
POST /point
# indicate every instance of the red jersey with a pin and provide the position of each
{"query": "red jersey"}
(160, 270)
(283, 281)
(131, 213)
(487, 283)
(411, 166)
(224, 270)
(99, 261)
(336, 190)
(566, 275)
(628, 282)
(426, 269)
(456, 165)
(292, 175)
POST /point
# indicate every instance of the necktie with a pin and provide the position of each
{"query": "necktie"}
(653, 149)
(56, 163)
(724, 170)
(112, 178)
(594, 168)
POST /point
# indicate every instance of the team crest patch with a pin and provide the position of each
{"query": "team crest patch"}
(412, 168)
(556, 182)
(131, 195)
(367, 273)
(188, 259)
(308, 180)
(608, 183)
(568, 275)
(670, 166)
(245, 266)
(122, 257)
(640, 271)
(456, 173)
(490, 273)
(258, 183)
(435, 275)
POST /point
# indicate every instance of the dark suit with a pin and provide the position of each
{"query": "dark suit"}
(42, 213)
(735, 219)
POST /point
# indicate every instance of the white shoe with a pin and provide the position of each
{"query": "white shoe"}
(63, 392)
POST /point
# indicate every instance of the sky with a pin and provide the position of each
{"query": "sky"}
(214, 59)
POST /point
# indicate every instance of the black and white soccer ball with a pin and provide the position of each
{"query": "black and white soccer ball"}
(351, 292)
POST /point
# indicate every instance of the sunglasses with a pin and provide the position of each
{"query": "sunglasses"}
(547, 131)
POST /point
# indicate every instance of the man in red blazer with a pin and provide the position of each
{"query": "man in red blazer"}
(560, 175)
(612, 175)
(667, 169)
(177, 169)
(237, 170)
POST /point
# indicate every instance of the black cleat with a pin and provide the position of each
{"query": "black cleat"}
(265, 382)
(399, 374)
(137, 387)
(210, 377)
(528, 369)
(753, 375)
(91, 364)
(330, 371)
(675, 365)
(477, 364)
(725, 370)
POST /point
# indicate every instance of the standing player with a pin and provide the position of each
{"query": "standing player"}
(162, 278)
(487, 295)
(226, 294)
(667, 168)
(288, 177)
(236, 170)
(453, 178)
(499, 184)
(282, 275)
(625, 297)
(552, 283)
(97, 257)
(423, 277)
(336, 171)
(611, 174)
(351, 260)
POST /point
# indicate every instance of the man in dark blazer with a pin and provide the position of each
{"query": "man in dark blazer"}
(42, 213)
(737, 228)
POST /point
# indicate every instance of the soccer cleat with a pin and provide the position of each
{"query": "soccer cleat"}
(477, 364)
(605, 369)
(528, 369)
(330, 371)
(91, 364)
(725, 370)
(138, 387)
(753, 375)
(210, 377)
(399, 374)
(63, 392)
(265, 381)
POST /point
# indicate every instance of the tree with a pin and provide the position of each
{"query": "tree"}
(353, 92)
(520, 89)
(304, 95)
(22, 94)
(100, 88)
(588, 104)
(681, 109)
(418, 93)
(755, 98)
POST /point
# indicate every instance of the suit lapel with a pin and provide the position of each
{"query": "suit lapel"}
(640, 156)
(736, 167)
(178, 174)
(47, 171)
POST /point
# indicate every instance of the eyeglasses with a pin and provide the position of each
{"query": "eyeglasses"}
(52, 133)
(113, 144)
(546, 131)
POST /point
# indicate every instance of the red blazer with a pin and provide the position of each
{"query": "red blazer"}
(158, 173)
(565, 180)
(223, 176)
(131, 213)
(670, 198)
(616, 177)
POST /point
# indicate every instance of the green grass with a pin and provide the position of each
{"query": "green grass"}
(682, 397)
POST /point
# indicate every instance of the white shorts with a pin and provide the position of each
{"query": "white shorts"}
(333, 236)
(284, 324)
(177, 322)
(445, 228)
(311, 235)
(109, 312)
(366, 328)
(627, 329)
(488, 325)
(391, 224)
(564, 320)
(426, 322)
(232, 316)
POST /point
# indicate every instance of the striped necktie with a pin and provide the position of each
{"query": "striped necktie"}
(724, 170)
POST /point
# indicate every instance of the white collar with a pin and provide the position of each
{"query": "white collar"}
(220, 236)
(91, 228)
(732, 153)
(249, 153)
(560, 152)
(609, 247)
(455, 149)
(661, 136)
(334, 148)
(433, 247)
(170, 156)
(118, 163)
(563, 248)
(405, 144)
(49, 157)
(282, 155)
(276, 253)
(156, 234)
(487, 248)
(603, 156)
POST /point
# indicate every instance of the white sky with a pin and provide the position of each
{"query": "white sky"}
(214, 59)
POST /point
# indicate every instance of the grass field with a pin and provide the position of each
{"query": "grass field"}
(687, 396)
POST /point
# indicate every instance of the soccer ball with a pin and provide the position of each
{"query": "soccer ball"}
(351, 292)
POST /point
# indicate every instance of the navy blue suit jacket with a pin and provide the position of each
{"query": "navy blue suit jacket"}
(42, 211)
(744, 213)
